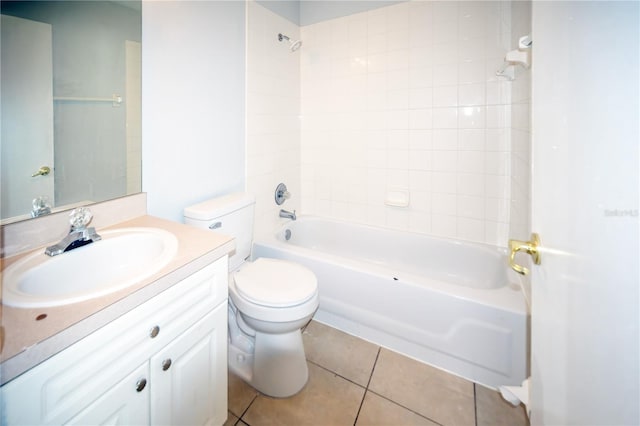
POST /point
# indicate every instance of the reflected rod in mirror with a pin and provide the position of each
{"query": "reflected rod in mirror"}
(71, 96)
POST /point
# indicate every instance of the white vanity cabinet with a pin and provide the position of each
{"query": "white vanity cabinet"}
(164, 362)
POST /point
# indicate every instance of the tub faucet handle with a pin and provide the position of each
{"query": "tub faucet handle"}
(282, 194)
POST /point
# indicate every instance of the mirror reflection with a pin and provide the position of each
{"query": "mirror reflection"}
(71, 104)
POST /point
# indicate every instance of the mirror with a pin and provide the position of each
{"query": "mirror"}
(71, 104)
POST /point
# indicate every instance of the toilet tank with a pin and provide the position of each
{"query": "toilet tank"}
(230, 214)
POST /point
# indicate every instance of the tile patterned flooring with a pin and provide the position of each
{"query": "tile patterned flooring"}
(355, 382)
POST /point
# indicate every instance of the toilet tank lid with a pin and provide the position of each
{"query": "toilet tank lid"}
(219, 206)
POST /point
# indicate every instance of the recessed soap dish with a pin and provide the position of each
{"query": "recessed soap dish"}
(397, 197)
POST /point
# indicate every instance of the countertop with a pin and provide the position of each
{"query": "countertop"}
(30, 336)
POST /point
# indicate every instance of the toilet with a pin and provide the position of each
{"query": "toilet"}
(269, 301)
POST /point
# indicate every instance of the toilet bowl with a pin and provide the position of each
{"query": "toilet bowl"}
(269, 301)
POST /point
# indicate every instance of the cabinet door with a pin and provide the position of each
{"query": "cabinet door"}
(127, 403)
(190, 375)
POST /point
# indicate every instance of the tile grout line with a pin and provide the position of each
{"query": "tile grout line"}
(475, 405)
(406, 408)
(366, 389)
(247, 409)
(336, 374)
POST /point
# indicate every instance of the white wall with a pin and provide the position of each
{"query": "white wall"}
(273, 114)
(520, 140)
(406, 96)
(520, 129)
(193, 61)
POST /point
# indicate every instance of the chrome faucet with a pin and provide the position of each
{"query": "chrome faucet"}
(79, 235)
(287, 214)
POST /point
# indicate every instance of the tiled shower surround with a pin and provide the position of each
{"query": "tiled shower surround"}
(399, 98)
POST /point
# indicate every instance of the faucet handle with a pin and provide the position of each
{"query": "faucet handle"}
(80, 217)
(282, 194)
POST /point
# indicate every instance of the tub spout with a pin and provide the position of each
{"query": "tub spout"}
(287, 214)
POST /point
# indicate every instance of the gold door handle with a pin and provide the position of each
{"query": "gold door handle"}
(42, 171)
(530, 247)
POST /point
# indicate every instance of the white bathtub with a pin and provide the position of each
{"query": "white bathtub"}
(449, 304)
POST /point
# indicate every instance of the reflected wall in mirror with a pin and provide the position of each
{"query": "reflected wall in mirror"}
(71, 104)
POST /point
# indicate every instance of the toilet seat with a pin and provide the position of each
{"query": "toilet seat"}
(275, 283)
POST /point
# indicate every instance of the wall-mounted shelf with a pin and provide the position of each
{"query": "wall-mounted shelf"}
(116, 100)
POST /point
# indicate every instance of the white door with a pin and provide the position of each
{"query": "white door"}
(585, 294)
(27, 114)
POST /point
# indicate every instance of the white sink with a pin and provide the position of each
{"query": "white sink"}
(122, 258)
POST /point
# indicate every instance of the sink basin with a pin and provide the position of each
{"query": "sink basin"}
(122, 258)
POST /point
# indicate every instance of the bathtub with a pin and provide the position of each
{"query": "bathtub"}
(450, 304)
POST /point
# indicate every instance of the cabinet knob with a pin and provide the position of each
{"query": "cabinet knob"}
(166, 364)
(140, 384)
(154, 331)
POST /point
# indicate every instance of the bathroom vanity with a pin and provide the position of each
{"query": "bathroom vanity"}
(153, 353)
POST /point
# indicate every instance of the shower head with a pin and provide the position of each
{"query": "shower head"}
(293, 45)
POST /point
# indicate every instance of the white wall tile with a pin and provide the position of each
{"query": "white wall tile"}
(376, 22)
(421, 118)
(420, 160)
(445, 96)
(405, 95)
(472, 117)
(420, 76)
(444, 204)
(445, 139)
(420, 139)
(273, 127)
(470, 184)
(445, 74)
(444, 182)
(445, 53)
(471, 229)
(471, 72)
(472, 139)
(420, 97)
(445, 30)
(397, 79)
(445, 118)
(444, 226)
(398, 99)
(420, 181)
(472, 94)
(471, 162)
(471, 207)
(419, 222)
(445, 161)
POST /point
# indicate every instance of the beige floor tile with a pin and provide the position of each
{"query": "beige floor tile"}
(240, 395)
(377, 411)
(231, 420)
(327, 399)
(435, 394)
(492, 410)
(346, 355)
